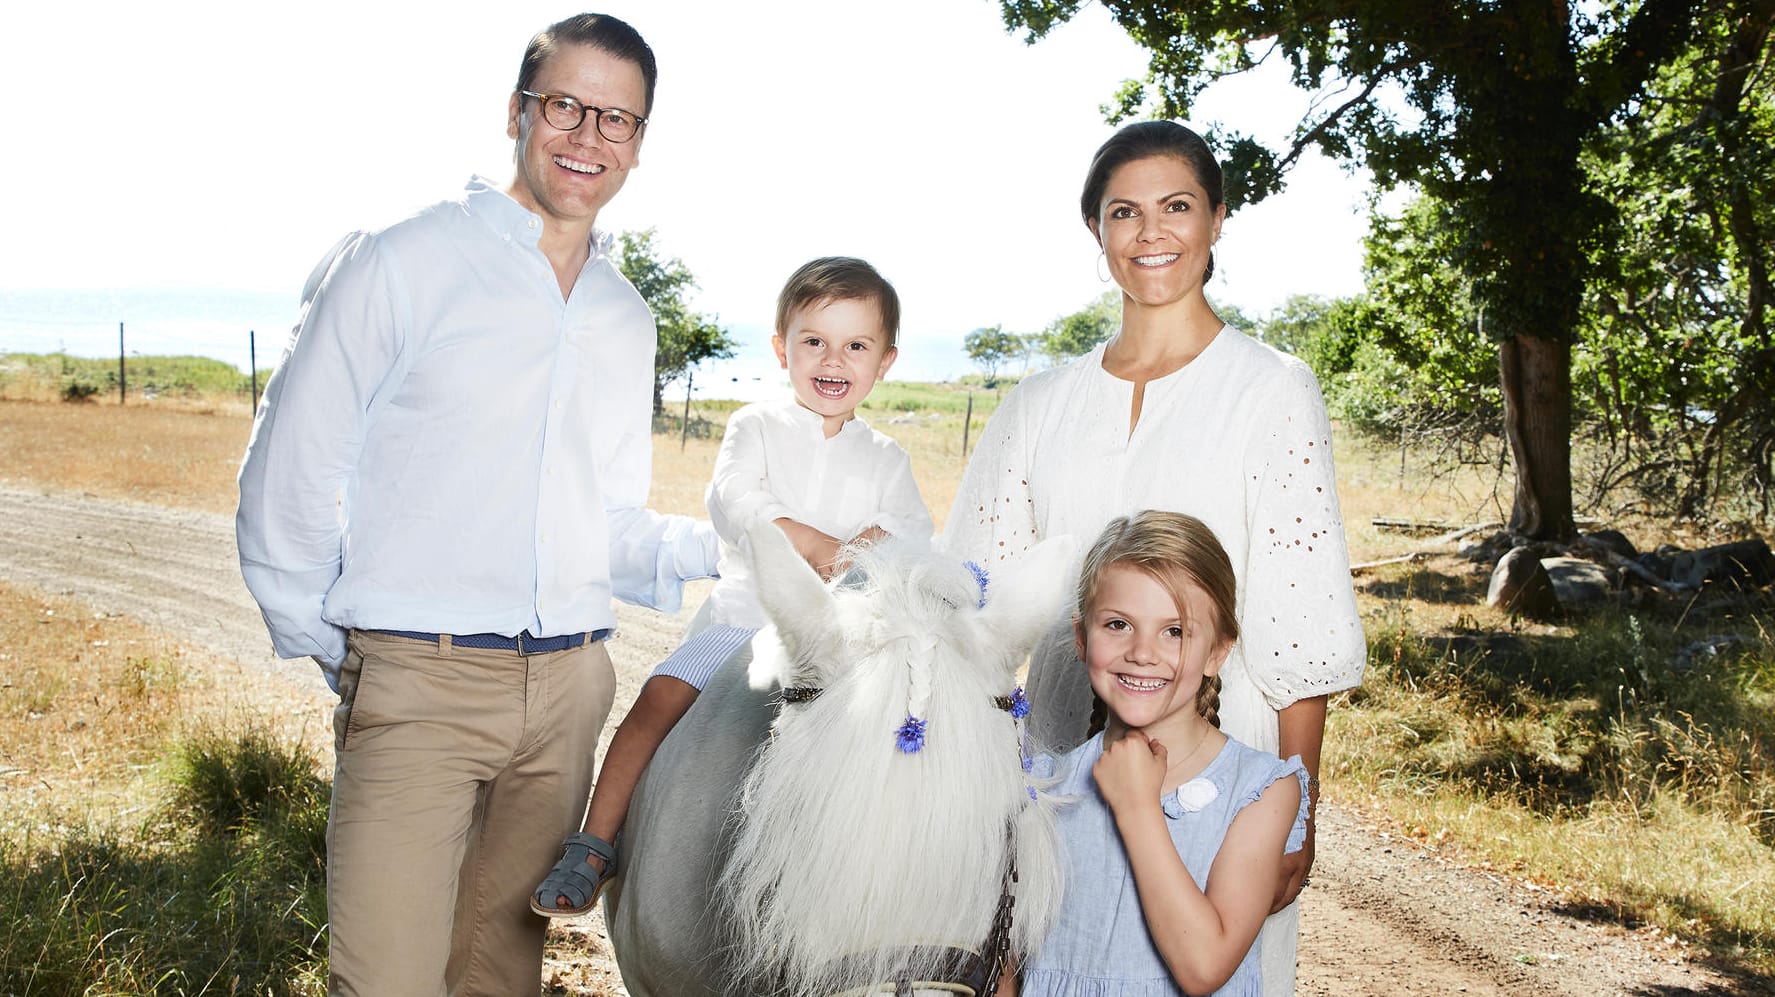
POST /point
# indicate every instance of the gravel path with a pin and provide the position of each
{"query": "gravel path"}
(1384, 916)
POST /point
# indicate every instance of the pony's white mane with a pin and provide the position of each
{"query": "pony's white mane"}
(850, 853)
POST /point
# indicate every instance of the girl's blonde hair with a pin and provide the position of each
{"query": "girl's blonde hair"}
(1176, 550)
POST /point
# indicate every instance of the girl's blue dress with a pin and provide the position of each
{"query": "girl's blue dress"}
(1100, 946)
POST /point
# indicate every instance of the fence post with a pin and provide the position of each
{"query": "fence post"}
(121, 381)
(684, 431)
(967, 423)
(253, 362)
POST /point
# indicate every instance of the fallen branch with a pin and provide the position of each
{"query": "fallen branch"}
(1416, 555)
(1424, 550)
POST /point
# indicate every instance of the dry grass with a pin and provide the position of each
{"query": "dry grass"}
(89, 703)
(169, 452)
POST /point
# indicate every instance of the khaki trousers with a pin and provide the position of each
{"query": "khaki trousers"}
(458, 772)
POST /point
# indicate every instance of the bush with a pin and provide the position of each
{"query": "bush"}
(223, 892)
(228, 783)
(79, 388)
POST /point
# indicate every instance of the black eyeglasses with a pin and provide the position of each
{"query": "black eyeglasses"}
(567, 113)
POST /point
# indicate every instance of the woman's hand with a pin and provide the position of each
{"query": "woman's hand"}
(1296, 866)
(1301, 730)
(1131, 771)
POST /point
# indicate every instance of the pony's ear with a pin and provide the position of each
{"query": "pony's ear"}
(794, 598)
(1024, 600)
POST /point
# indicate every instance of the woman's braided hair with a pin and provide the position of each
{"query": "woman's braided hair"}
(1176, 549)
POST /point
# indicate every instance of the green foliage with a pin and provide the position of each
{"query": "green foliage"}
(1322, 331)
(229, 783)
(1079, 333)
(991, 348)
(1673, 373)
(686, 338)
(1676, 383)
(76, 388)
(233, 901)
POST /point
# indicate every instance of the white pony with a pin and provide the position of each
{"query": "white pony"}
(872, 844)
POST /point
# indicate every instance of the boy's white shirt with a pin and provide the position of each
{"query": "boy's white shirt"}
(777, 462)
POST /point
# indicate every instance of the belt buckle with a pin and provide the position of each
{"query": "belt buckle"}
(522, 650)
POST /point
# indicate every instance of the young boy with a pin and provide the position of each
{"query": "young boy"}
(811, 467)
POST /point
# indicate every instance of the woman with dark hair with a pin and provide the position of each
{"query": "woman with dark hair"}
(1179, 411)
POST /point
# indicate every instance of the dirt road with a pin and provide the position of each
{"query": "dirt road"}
(1383, 917)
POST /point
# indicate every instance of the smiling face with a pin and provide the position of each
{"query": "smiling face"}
(835, 351)
(1157, 226)
(1146, 657)
(566, 177)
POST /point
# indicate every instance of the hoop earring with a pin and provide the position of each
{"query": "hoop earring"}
(1102, 266)
(1209, 271)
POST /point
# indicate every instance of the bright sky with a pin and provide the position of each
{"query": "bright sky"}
(199, 144)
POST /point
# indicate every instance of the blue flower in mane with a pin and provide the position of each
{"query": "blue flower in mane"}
(979, 579)
(1019, 703)
(910, 737)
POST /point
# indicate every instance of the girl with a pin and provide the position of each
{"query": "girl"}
(1174, 847)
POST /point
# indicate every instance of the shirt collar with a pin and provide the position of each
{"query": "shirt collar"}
(502, 213)
(814, 422)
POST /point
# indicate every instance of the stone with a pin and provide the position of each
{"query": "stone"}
(1578, 583)
(1520, 585)
(1613, 541)
(1745, 564)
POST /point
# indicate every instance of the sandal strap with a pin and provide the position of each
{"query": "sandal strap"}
(572, 877)
(594, 845)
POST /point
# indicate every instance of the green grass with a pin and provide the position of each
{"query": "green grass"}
(1595, 758)
(75, 378)
(221, 892)
(946, 398)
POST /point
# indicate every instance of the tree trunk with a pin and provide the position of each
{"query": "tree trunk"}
(1536, 376)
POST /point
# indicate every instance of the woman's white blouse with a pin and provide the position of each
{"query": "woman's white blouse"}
(1239, 438)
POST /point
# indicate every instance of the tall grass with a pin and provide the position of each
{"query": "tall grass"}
(221, 892)
(1601, 760)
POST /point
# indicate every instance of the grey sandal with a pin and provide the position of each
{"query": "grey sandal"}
(573, 878)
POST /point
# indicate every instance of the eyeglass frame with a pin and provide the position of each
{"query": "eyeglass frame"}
(585, 109)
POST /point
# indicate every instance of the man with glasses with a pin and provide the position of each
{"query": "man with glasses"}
(443, 491)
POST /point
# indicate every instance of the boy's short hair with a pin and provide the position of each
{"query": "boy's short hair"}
(839, 278)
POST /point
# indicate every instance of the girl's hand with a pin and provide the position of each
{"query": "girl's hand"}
(1131, 771)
